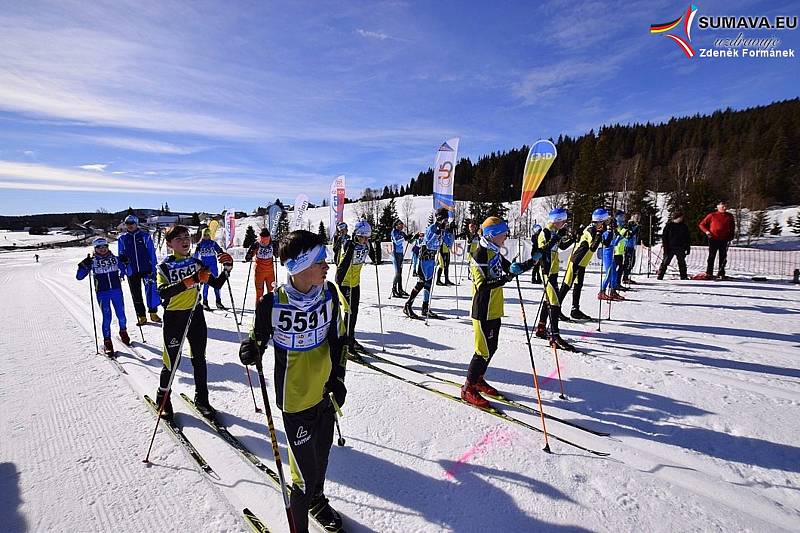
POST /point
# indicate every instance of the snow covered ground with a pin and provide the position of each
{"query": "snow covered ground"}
(23, 238)
(697, 383)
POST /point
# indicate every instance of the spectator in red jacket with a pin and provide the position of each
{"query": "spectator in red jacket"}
(719, 226)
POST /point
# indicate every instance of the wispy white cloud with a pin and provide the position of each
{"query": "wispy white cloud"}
(150, 146)
(372, 34)
(97, 167)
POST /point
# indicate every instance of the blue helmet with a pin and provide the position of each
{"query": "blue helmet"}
(362, 229)
(100, 241)
(600, 215)
(131, 219)
(558, 214)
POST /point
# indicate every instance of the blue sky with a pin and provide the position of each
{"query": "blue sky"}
(208, 105)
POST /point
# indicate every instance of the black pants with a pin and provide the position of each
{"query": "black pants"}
(310, 436)
(668, 255)
(135, 283)
(197, 336)
(551, 305)
(629, 262)
(353, 297)
(397, 285)
(485, 347)
(445, 269)
(577, 286)
(715, 246)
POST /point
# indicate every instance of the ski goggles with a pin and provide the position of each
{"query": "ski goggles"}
(317, 254)
(495, 229)
(97, 243)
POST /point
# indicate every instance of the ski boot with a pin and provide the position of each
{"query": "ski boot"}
(615, 296)
(123, 336)
(541, 330)
(558, 342)
(470, 394)
(167, 413)
(409, 311)
(603, 296)
(630, 281)
(206, 306)
(403, 293)
(154, 317)
(396, 294)
(577, 314)
(448, 282)
(320, 508)
(485, 388)
(220, 305)
(141, 320)
(108, 348)
(357, 346)
(563, 317)
(426, 311)
(204, 407)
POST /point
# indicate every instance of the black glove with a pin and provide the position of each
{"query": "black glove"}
(338, 389)
(124, 260)
(86, 263)
(249, 354)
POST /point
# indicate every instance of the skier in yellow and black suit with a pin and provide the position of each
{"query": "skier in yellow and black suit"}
(553, 237)
(353, 255)
(490, 271)
(179, 279)
(303, 319)
(590, 240)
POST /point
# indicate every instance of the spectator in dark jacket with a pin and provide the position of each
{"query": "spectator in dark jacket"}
(719, 226)
(137, 253)
(675, 241)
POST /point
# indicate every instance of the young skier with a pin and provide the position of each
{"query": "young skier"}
(443, 259)
(263, 250)
(105, 269)
(676, 243)
(207, 251)
(554, 236)
(590, 240)
(490, 271)
(399, 240)
(339, 238)
(621, 235)
(178, 277)
(435, 235)
(353, 255)
(417, 246)
(630, 248)
(303, 319)
(138, 254)
(607, 277)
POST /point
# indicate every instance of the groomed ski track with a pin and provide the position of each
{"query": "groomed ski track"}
(690, 445)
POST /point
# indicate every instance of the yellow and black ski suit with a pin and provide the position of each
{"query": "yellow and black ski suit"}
(178, 302)
(589, 242)
(352, 257)
(310, 360)
(550, 241)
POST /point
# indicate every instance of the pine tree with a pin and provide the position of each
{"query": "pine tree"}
(497, 209)
(383, 230)
(759, 224)
(322, 232)
(195, 219)
(283, 227)
(795, 225)
(249, 237)
(479, 211)
(776, 228)
(166, 207)
(130, 210)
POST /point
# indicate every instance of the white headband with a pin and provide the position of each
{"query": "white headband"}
(306, 259)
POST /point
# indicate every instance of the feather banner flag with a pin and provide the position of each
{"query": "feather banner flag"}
(274, 213)
(540, 158)
(300, 207)
(337, 204)
(229, 228)
(444, 174)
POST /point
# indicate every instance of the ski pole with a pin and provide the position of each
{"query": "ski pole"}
(275, 451)
(336, 413)
(454, 275)
(558, 368)
(94, 320)
(533, 368)
(172, 373)
(599, 301)
(380, 309)
(246, 286)
(239, 332)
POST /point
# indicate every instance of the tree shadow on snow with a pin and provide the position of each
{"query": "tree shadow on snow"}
(647, 415)
(11, 499)
(447, 504)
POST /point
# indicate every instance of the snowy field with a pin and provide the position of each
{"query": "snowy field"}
(696, 382)
(23, 238)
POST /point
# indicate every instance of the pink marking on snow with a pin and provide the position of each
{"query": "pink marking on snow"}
(554, 373)
(499, 435)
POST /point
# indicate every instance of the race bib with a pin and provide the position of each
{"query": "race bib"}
(298, 330)
(105, 265)
(180, 270)
(360, 255)
(264, 252)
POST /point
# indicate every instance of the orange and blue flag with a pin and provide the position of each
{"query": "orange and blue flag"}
(540, 158)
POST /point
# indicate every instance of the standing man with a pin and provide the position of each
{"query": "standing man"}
(138, 254)
(263, 250)
(444, 258)
(431, 243)
(719, 227)
(399, 240)
(675, 240)
(589, 242)
(339, 239)
(630, 248)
